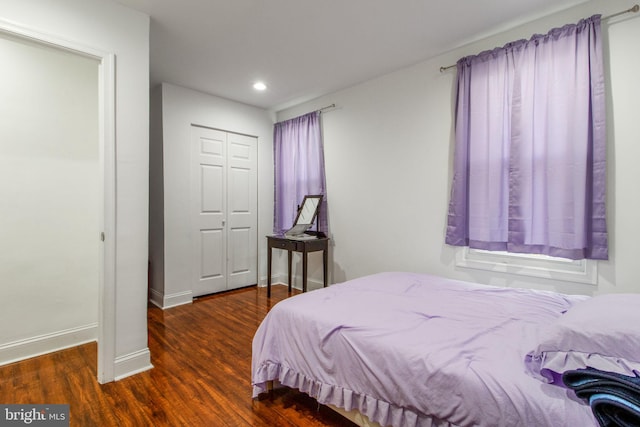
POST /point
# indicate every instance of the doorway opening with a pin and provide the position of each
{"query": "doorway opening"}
(57, 191)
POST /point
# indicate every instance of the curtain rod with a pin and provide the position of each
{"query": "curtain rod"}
(327, 107)
(633, 9)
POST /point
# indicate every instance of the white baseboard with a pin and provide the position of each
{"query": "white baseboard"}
(125, 366)
(281, 279)
(133, 363)
(156, 298)
(47, 343)
(167, 301)
(311, 283)
(276, 279)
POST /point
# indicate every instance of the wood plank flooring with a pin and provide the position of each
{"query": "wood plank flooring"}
(202, 358)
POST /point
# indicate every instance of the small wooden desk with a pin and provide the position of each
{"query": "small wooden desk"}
(295, 245)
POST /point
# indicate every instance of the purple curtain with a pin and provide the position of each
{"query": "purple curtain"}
(529, 165)
(299, 169)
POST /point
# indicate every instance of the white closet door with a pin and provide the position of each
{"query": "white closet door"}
(242, 196)
(209, 190)
(224, 195)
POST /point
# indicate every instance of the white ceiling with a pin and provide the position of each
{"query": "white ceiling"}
(303, 49)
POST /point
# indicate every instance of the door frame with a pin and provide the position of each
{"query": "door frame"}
(107, 176)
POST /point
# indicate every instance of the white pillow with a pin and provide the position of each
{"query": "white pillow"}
(602, 332)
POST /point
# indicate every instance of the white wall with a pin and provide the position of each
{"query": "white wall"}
(174, 110)
(49, 193)
(388, 153)
(109, 27)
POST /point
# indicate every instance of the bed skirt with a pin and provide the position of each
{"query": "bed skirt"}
(377, 411)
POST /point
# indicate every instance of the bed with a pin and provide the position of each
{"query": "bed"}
(408, 349)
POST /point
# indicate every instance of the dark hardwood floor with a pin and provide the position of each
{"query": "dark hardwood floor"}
(202, 358)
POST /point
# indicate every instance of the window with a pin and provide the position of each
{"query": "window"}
(543, 266)
(529, 166)
(299, 169)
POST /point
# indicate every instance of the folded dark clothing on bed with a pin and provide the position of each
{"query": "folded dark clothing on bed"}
(614, 398)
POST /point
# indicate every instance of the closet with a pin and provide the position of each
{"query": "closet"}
(224, 210)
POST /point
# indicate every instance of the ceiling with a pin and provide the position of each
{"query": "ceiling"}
(303, 49)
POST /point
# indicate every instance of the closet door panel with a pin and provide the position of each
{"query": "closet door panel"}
(208, 191)
(242, 210)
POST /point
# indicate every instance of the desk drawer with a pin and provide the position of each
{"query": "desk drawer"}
(282, 244)
(313, 245)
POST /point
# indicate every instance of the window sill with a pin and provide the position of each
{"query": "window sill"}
(580, 271)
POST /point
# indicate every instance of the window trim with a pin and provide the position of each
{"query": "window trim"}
(530, 265)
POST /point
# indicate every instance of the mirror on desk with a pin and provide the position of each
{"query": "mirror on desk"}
(306, 215)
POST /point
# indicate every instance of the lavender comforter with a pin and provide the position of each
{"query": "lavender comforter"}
(417, 350)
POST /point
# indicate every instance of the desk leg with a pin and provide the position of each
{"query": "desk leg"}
(289, 255)
(304, 271)
(325, 267)
(269, 272)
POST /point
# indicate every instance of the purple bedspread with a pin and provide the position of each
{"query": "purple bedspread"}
(417, 350)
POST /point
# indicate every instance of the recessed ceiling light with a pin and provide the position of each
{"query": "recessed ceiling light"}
(259, 86)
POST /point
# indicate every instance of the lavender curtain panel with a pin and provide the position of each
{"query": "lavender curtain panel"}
(299, 168)
(530, 153)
